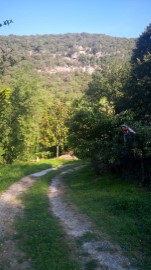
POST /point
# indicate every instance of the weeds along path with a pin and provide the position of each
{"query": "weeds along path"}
(94, 250)
(11, 258)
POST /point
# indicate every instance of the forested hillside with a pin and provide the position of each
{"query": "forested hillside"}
(63, 63)
(108, 79)
(66, 53)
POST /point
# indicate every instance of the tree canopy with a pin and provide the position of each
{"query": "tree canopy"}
(137, 92)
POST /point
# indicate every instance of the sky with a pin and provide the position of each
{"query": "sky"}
(119, 18)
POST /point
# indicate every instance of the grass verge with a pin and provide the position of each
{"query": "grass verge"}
(12, 173)
(39, 233)
(119, 208)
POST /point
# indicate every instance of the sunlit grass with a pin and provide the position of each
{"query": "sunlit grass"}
(118, 208)
(14, 172)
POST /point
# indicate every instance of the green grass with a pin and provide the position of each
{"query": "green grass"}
(118, 208)
(12, 173)
(39, 233)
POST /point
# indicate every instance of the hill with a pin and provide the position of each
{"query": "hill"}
(66, 53)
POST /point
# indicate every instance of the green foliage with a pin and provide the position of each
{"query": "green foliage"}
(89, 129)
(6, 60)
(67, 86)
(98, 135)
(5, 105)
(106, 86)
(31, 121)
(137, 92)
(93, 124)
(94, 128)
(53, 129)
(25, 107)
(143, 45)
(117, 95)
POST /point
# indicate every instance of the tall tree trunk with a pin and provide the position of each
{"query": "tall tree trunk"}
(57, 150)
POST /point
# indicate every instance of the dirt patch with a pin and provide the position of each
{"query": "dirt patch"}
(95, 250)
(68, 157)
(11, 207)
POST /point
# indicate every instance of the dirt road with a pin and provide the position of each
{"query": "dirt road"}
(95, 251)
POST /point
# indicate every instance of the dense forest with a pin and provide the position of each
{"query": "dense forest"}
(73, 92)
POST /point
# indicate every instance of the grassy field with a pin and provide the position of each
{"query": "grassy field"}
(39, 233)
(118, 208)
(12, 173)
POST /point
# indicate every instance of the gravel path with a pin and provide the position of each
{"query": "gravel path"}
(11, 258)
(94, 249)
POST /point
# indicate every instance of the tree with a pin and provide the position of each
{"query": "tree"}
(25, 116)
(6, 60)
(143, 46)
(90, 130)
(6, 22)
(5, 113)
(106, 86)
(137, 92)
(53, 129)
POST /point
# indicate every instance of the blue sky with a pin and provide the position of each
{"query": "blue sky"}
(120, 18)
